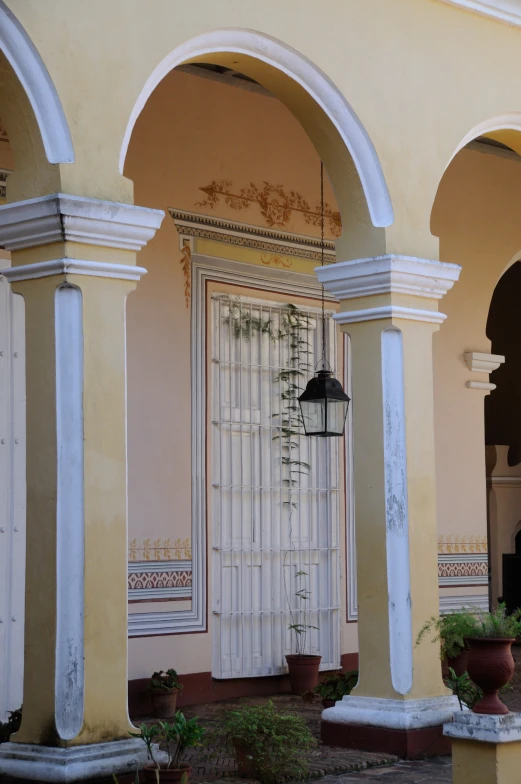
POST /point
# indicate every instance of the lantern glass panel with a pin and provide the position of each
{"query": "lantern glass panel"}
(336, 416)
(313, 415)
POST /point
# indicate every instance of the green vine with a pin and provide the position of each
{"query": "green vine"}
(294, 327)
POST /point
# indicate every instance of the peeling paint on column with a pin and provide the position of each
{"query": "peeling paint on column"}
(397, 522)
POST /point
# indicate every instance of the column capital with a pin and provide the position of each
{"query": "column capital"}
(66, 266)
(60, 217)
(389, 274)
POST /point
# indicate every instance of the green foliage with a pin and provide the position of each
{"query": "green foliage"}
(468, 693)
(451, 631)
(176, 737)
(243, 324)
(498, 624)
(274, 741)
(337, 685)
(162, 680)
(12, 725)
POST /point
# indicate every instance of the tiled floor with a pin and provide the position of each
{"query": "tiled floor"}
(438, 771)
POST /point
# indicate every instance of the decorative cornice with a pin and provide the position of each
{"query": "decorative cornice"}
(480, 362)
(506, 11)
(389, 312)
(482, 385)
(97, 269)
(194, 224)
(389, 274)
(64, 218)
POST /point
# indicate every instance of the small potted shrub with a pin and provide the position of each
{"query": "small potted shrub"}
(164, 688)
(175, 738)
(302, 667)
(451, 631)
(491, 664)
(335, 686)
(268, 744)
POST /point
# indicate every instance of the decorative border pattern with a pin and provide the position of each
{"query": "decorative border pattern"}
(194, 224)
(159, 581)
(462, 544)
(460, 569)
(160, 550)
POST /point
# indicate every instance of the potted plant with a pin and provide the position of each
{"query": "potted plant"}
(175, 738)
(491, 664)
(451, 631)
(268, 744)
(12, 725)
(302, 666)
(335, 686)
(164, 688)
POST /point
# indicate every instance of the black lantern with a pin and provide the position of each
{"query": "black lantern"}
(324, 406)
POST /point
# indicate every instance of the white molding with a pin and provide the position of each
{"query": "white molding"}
(351, 578)
(392, 714)
(70, 533)
(486, 386)
(389, 274)
(65, 266)
(138, 567)
(310, 78)
(60, 217)
(448, 558)
(76, 763)
(481, 728)
(481, 362)
(206, 268)
(194, 224)
(476, 602)
(38, 86)
(506, 11)
(396, 511)
(504, 481)
(389, 312)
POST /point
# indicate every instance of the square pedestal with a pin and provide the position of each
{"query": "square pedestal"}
(485, 749)
(76, 763)
(411, 729)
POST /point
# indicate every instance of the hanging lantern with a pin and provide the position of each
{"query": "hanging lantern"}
(324, 403)
(323, 406)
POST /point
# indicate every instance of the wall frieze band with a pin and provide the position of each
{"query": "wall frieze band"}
(193, 224)
(462, 569)
(61, 217)
(159, 580)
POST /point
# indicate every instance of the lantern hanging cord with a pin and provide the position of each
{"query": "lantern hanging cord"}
(324, 360)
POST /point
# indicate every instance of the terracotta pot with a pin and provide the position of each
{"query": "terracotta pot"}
(245, 766)
(164, 702)
(178, 775)
(328, 703)
(303, 672)
(459, 663)
(490, 667)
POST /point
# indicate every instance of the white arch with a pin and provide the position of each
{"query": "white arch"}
(34, 77)
(504, 122)
(301, 70)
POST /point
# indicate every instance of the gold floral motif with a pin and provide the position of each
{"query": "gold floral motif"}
(275, 203)
(462, 544)
(160, 550)
(274, 259)
(186, 265)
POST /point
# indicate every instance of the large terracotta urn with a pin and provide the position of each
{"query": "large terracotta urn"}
(490, 666)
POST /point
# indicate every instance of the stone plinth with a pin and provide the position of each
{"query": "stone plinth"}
(485, 749)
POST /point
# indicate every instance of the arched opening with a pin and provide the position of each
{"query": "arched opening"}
(475, 217)
(220, 146)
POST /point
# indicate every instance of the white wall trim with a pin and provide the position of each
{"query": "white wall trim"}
(351, 578)
(60, 217)
(506, 11)
(302, 71)
(70, 533)
(396, 511)
(476, 602)
(486, 386)
(65, 266)
(205, 268)
(389, 274)
(38, 85)
(504, 481)
(389, 312)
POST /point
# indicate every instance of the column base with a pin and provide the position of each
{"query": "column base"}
(75, 763)
(485, 749)
(408, 728)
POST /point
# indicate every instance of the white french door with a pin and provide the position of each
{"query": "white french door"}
(12, 498)
(273, 532)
